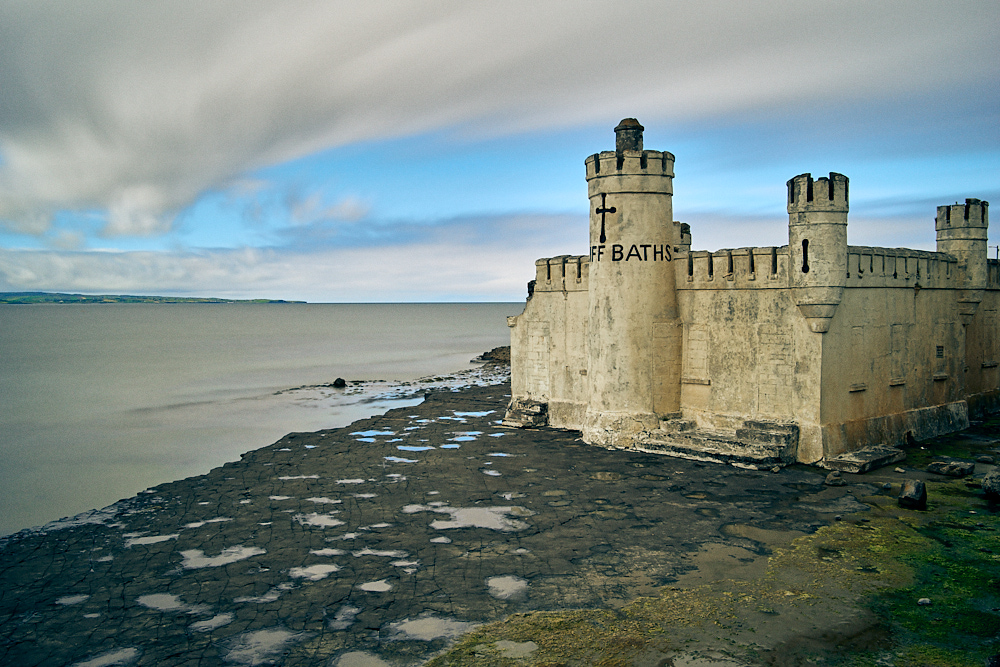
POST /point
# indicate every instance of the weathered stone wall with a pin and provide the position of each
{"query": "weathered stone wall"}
(549, 341)
(893, 364)
(747, 353)
(982, 351)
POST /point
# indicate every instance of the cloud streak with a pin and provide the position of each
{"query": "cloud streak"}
(134, 110)
(462, 260)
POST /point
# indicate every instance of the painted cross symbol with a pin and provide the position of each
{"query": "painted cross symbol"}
(602, 209)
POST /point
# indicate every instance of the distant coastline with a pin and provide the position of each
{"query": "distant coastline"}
(27, 298)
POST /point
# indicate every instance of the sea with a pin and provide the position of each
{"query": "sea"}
(99, 402)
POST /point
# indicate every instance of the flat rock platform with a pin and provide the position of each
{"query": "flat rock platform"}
(380, 543)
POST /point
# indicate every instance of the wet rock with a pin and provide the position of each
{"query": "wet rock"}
(984, 459)
(913, 495)
(340, 383)
(991, 484)
(834, 479)
(951, 468)
(498, 355)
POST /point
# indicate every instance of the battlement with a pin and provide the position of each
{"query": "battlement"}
(901, 267)
(737, 268)
(565, 273)
(630, 163)
(767, 268)
(823, 194)
(974, 214)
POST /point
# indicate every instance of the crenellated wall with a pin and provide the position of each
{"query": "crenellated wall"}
(739, 268)
(563, 273)
(900, 267)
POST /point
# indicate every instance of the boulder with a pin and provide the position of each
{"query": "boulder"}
(913, 495)
(952, 468)
(340, 383)
(991, 484)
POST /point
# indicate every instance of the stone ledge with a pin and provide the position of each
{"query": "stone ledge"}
(863, 460)
(718, 447)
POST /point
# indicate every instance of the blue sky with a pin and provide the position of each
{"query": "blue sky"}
(425, 151)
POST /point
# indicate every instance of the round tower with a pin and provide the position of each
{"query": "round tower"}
(962, 232)
(817, 246)
(633, 337)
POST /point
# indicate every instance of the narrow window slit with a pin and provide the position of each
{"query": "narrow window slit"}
(805, 255)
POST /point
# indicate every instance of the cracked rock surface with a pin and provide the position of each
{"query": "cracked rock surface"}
(384, 541)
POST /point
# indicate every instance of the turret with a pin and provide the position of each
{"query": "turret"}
(634, 332)
(817, 246)
(961, 231)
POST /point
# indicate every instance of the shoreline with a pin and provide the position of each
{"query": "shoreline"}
(384, 542)
(360, 399)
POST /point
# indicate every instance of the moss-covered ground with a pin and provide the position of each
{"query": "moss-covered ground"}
(848, 594)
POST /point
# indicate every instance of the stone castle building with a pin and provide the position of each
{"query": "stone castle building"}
(756, 356)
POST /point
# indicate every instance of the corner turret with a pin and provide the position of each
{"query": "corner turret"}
(962, 232)
(817, 245)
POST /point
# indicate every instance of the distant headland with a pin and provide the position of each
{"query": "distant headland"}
(57, 297)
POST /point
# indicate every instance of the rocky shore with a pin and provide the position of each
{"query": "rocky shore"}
(385, 542)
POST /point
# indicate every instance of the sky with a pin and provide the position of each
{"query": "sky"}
(431, 150)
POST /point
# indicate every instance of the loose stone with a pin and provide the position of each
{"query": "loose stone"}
(834, 479)
(991, 484)
(952, 468)
(913, 495)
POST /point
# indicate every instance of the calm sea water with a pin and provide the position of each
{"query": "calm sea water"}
(98, 402)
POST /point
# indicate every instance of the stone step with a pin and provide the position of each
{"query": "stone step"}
(677, 425)
(718, 446)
